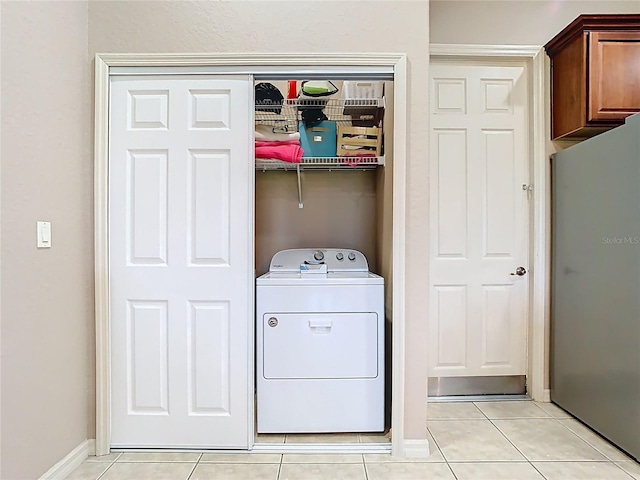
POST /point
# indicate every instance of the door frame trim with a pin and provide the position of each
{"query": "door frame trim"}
(257, 63)
(539, 250)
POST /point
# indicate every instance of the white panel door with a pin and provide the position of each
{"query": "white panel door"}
(180, 253)
(479, 220)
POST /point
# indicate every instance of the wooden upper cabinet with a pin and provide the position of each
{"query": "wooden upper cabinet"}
(614, 61)
(595, 74)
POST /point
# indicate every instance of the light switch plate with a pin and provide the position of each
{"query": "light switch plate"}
(43, 234)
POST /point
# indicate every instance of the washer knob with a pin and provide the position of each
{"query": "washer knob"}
(318, 255)
(352, 256)
(339, 256)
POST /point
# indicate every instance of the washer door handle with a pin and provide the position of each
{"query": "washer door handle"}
(320, 326)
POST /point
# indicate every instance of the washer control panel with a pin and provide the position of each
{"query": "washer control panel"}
(336, 259)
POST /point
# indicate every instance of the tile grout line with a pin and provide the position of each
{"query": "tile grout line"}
(620, 467)
(106, 470)
(364, 466)
(585, 441)
(481, 411)
(111, 464)
(517, 449)
(588, 443)
(194, 468)
(437, 444)
(442, 453)
(536, 469)
(541, 409)
(451, 470)
(496, 427)
(557, 420)
(521, 453)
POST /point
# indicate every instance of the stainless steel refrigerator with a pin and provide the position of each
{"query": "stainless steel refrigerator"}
(595, 323)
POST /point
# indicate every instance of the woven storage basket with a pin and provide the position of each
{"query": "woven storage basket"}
(359, 140)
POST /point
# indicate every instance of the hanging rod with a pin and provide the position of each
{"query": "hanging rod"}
(300, 204)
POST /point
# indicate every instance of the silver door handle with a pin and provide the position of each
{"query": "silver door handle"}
(520, 271)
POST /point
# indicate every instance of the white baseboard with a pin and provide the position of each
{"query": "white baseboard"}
(91, 443)
(546, 395)
(416, 448)
(69, 463)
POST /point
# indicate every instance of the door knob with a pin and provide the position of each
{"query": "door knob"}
(520, 271)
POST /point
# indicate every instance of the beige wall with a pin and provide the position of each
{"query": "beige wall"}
(515, 22)
(47, 295)
(339, 211)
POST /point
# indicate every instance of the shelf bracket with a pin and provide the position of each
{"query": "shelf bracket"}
(300, 205)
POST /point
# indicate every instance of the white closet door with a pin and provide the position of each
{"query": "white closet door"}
(181, 272)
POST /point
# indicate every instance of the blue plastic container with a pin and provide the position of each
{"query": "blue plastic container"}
(319, 141)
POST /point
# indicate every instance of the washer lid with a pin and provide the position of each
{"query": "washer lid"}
(320, 260)
(331, 278)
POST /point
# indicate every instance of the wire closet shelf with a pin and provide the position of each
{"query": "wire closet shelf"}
(288, 115)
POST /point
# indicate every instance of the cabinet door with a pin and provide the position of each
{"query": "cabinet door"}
(614, 76)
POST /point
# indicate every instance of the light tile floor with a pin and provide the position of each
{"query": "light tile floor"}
(510, 440)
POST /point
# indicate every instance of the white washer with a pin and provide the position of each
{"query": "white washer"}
(320, 343)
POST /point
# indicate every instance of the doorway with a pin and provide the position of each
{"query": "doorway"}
(396, 64)
(485, 145)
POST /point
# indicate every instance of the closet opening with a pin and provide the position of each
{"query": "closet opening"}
(181, 127)
(323, 194)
